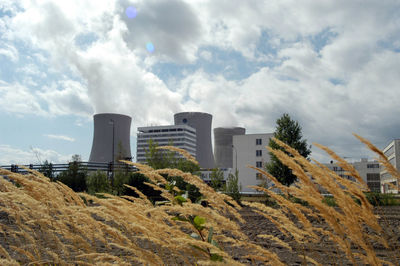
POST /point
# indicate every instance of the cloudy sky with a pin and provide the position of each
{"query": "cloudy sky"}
(334, 66)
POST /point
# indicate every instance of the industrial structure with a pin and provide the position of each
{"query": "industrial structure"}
(202, 123)
(223, 145)
(181, 136)
(111, 138)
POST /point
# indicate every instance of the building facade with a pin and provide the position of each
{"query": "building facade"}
(368, 170)
(181, 136)
(250, 150)
(389, 183)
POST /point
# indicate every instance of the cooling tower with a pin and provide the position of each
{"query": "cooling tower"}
(223, 141)
(111, 135)
(202, 123)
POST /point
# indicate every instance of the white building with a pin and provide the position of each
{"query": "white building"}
(368, 170)
(250, 150)
(181, 136)
(392, 152)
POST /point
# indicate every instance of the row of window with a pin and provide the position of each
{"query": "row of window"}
(169, 130)
(146, 136)
(375, 165)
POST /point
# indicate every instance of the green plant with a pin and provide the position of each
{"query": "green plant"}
(233, 186)
(289, 132)
(98, 182)
(330, 201)
(198, 224)
(217, 179)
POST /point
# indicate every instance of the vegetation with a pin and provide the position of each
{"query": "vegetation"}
(288, 131)
(233, 186)
(75, 176)
(217, 179)
(46, 223)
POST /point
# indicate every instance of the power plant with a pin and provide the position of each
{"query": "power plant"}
(111, 138)
(223, 145)
(202, 123)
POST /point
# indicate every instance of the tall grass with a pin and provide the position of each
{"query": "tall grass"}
(46, 222)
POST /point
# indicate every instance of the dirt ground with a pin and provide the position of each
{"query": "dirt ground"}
(324, 252)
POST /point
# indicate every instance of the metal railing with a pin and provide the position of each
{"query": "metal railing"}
(57, 168)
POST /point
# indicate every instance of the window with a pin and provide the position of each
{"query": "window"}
(373, 177)
(259, 176)
(335, 168)
(375, 165)
(258, 153)
(259, 164)
(258, 141)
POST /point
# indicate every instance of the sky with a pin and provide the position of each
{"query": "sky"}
(333, 66)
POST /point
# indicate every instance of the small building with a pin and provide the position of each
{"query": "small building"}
(250, 149)
(368, 170)
(389, 183)
(181, 136)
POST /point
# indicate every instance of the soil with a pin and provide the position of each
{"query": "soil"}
(324, 252)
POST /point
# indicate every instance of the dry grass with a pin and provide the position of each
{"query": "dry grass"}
(46, 222)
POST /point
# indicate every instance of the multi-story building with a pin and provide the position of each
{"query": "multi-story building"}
(389, 183)
(250, 150)
(368, 170)
(181, 136)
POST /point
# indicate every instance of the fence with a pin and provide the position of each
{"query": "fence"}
(57, 168)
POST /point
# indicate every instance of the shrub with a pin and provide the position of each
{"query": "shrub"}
(98, 182)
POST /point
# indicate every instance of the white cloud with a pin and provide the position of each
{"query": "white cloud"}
(10, 52)
(289, 74)
(11, 155)
(15, 98)
(60, 137)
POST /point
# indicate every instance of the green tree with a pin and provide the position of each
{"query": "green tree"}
(217, 179)
(288, 131)
(160, 159)
(98, 182)
(75, 175)
(232, 186)
(47, 170)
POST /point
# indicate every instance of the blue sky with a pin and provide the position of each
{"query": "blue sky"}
(332, 65)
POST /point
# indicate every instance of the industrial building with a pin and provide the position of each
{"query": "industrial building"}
(389, 183)
(223, 145)
(368, 170)
(202, 123)
(181, 136)
(250, 150)
(111, 138)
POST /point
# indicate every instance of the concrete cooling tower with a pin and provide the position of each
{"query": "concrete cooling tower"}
(223, 141)
(111, 135)
(202, 123)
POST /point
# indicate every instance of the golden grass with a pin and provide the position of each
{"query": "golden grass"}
(46, 222)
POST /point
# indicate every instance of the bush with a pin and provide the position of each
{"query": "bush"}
(98, 182)
(381, 199)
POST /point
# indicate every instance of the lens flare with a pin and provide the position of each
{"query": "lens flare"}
(150, 47)
(131, 12)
